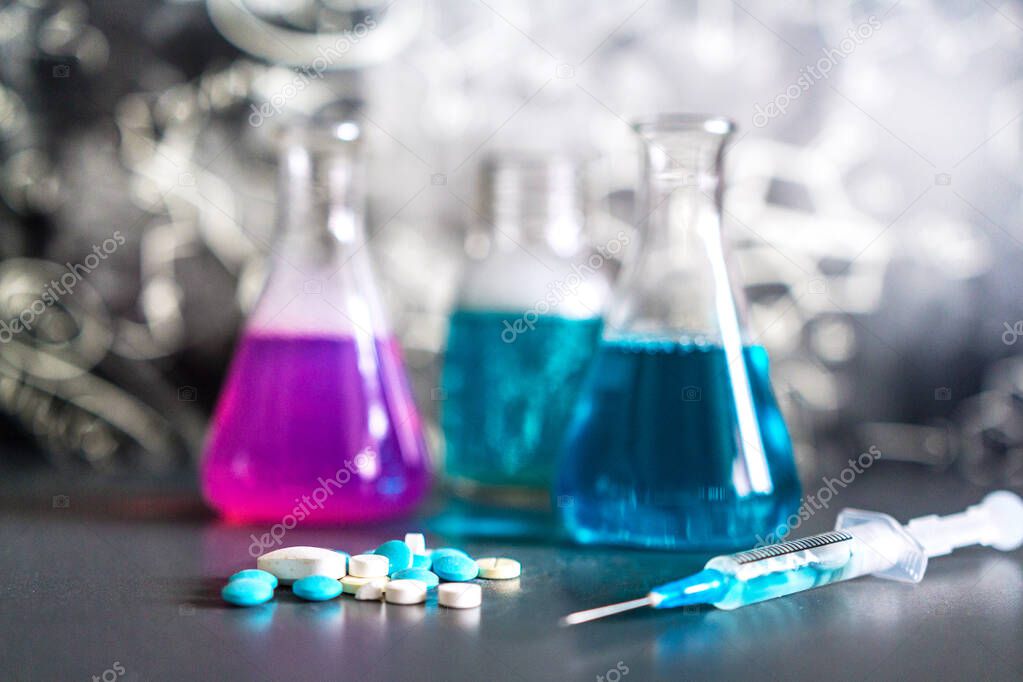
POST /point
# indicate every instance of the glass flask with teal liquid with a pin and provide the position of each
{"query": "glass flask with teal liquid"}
(523, 330)
(676, 440)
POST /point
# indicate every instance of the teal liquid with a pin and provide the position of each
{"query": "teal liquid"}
(652, 457)
(508, 390)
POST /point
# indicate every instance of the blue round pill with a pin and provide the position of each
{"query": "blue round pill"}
(445, 551)
(420, 574)
(421, 561)
(316, 588)
(455, 568)
(258, 574)
(397, 552)
(247, 592)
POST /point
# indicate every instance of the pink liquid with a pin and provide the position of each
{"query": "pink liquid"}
(318, 429)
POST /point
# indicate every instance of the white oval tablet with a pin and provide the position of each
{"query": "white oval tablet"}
(405, 592)
(499, 568)
(459, 595)
(291, 563)
(350, 584)
(368, 566)
(373, 590)
(416, 542)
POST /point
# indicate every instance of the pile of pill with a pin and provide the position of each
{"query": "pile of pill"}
(398, 571)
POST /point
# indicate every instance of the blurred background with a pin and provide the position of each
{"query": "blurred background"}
(874, 200)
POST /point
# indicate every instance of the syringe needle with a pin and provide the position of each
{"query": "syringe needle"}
(602, 611)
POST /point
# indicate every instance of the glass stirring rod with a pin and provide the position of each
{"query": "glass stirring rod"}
(862, 543)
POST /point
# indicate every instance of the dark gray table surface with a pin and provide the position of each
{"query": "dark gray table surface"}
(125, 587)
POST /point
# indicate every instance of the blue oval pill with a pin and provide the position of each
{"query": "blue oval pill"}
(256, 573)
(421, 561)
(247, 592)
(316, 587)
(397, 552)
(420, 574)
(455, 568)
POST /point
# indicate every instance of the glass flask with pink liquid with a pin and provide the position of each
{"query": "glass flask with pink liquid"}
(316, 420)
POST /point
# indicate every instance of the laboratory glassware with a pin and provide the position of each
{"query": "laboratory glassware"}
(524, 326)
(676, 440)
(863, 542)
(316, 421)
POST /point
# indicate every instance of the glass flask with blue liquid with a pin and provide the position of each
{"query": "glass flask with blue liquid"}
(524, 327)
(676, 440)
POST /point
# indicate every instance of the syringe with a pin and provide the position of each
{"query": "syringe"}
(863, 542)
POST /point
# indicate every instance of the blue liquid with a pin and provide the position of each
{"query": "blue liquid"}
(726, 591)
(508, 394)
(778, 584)
(652, 456)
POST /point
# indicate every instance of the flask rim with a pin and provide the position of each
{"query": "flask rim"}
(325, 134)
(683, 122)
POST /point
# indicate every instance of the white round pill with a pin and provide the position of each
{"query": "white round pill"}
(291, 563)
(350, 584)
(416, 542)
(373, 590)
(459, 595)
(368, 565)
(405, 592)
(499, 568)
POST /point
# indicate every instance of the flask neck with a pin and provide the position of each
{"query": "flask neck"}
(680, 197)
(321, 194)
(534, 202)
(321, 278)
(676, 285)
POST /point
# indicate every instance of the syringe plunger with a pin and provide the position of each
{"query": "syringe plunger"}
(996, 522)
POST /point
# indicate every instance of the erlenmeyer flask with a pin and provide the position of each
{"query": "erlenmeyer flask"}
(524, 327)
(316, 421)
(676, 440)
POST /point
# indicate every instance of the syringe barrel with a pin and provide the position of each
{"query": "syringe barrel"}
(866, 546)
